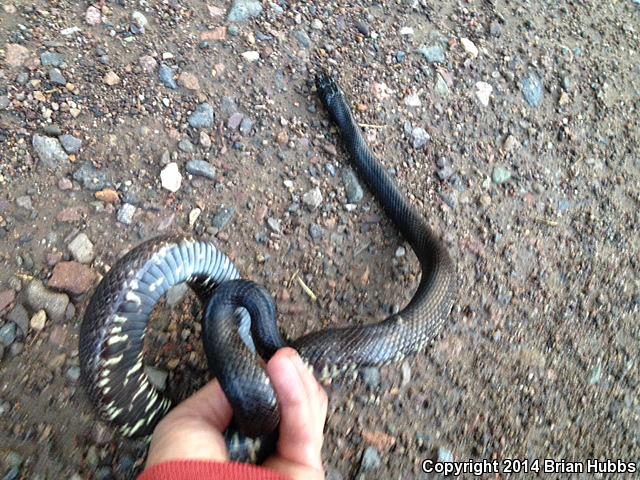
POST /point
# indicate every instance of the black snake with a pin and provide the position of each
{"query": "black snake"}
(113, 329)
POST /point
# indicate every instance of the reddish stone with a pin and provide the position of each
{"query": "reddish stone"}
(72, 214)
(6, 298)
(72, 277)
(219, 33)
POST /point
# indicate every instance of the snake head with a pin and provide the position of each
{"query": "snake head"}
(327, 87)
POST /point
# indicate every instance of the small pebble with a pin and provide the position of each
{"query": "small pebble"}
(370, 459)
(201, 168)
(222, 218)
(125, 213)
(93, 16)
(157, 377)
(500, 175)
(111, 78)
(81, 248)
(483, 92)
(419, 138)
(170, 177)
(167, 76)
(70, 143)
(274, 224)
(243, 10)
(51, 59)
(251, 56)
(469, 47)
(313, 198)
(202, 117)
(8, 333)
(433, 54)
(55, 76)
(352, 186)
(73, 373)
(533, 90)
(38, 320)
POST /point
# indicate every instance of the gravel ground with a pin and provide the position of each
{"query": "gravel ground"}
(513, 128)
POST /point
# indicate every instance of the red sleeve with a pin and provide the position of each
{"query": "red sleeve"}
(208, 470)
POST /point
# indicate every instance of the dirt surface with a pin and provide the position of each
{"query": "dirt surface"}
(533, 186)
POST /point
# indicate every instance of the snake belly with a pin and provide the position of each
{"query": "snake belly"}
(113, 328)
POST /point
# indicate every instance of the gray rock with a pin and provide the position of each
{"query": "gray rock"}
(202, 117)
(90, 178)
(12, 474)
(104, 473)
(441, 87)
(24, 201)
(8, 333)
(445, 172)
(167, 76)
(352, 186)
(39, 298)
(228, 106)
(316, 232)
(138, 23)
(370, 459)
(533, 90)
(433, 53)
(51, 59)
(313, 198)
(274, 224)
(234, 120)
(371, 377)
(22, 78)
(243, 10)
(186, 146)
(176, 293)
(81, 248)
(4, 102)
(400, 252)
(222, 218)
(444, 455)
(20, 317)
(201, 168)
(157, 377)
(302, 38)
(246, 126)
(73, 373)
(49, 151)
(500, 175)
(419, 138)
(70, 143)
(125, 214)
(55, 76)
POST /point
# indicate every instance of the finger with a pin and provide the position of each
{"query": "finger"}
(208, 404)
(302, 416)
(192, 430)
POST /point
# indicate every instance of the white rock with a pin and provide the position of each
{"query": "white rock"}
(38, 320)
(483, 92)
(469, 47)
(406, 31)
(317, 24)
(170, 177)
(251, 56)
(412, 101)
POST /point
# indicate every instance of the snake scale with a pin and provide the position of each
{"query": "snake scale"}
(114, 324)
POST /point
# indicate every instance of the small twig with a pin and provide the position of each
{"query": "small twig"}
(361, 249)
(306, 289)
(550, 223)
(369, 125)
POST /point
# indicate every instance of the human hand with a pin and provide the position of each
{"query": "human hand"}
(193, 430)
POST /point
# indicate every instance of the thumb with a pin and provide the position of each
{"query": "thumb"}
(303, 408)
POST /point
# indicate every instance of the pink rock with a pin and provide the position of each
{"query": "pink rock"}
(93, 16)
(6, 298)
(148, 63)
(234, 121)
(215, 12)
(219, 33)
(72, 214)
(72, 277)
(15, 55)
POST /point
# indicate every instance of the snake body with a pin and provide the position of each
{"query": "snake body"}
(113, 328)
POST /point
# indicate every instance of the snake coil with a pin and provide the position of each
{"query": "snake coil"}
(114, 324)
